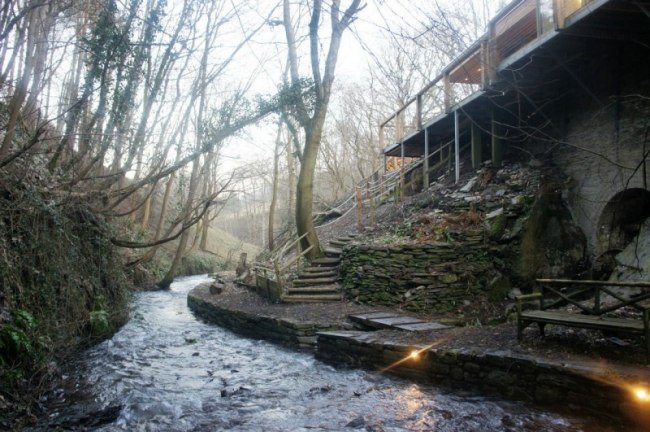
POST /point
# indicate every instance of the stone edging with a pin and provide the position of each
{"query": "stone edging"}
(510, 375)
(287, 332)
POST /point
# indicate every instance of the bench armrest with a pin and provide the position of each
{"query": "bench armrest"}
(524, 297)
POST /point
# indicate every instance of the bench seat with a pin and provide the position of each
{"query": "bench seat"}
(584, 321)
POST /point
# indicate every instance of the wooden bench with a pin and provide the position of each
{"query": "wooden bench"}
(586, 295)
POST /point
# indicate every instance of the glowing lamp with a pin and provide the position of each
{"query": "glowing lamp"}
(415, 355)
(641, 394)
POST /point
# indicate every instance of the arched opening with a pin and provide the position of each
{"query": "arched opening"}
(621, 219)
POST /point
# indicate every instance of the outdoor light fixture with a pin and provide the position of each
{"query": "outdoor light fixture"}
(642, 394)
(415, 355)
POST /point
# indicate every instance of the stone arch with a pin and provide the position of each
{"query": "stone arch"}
(621, 219)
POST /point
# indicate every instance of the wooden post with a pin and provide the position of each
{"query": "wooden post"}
(457, 145)
(425, 164)
(538, 17)
(241, 267)
(497, 144)
(278, 277)
(493, 59)
(484, 64)
(477, 144)
(446, 89)
(399, 126)
(359, 209)
(418, 107)
(401, 174)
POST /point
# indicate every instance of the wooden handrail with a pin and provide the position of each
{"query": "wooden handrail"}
(635, 284)
(296, 258)
(469, 51)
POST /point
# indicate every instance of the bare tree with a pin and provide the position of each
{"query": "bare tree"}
(310, 108)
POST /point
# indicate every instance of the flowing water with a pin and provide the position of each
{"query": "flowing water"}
(167, 371)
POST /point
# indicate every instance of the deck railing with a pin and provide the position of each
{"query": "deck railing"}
(516, 25)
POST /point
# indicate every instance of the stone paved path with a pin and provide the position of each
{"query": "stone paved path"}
(392, 320)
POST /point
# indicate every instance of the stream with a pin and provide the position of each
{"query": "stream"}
(165, 370)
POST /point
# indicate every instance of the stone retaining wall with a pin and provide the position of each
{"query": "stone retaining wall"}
(435, 277)
(513, 376)
(281, 330)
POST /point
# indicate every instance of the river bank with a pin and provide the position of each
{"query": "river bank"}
(166, 370)
(486, 359)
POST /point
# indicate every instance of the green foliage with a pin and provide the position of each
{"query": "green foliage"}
(57, 262)
(498, 227)
(21, 346)
(99, 318)
(291, 96)
(99, 324)
(199, 263)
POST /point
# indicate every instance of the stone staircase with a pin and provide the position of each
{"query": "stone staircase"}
(318, 282)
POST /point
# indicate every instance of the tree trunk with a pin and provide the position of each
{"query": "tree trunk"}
(182, 243)
(274, 192)
(322, 88)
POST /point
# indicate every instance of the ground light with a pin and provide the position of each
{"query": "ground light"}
(641, 394)
(413, 357)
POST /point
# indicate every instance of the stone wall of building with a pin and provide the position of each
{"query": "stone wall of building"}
(606, 138)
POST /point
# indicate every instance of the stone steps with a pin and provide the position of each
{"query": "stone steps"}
(332, 251)
(314, 281)
(321, 289)
(325, 272)
(317, 283)
(313, 298)
(326, 262)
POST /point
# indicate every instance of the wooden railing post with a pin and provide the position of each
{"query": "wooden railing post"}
(418, 107)
(484, 63)
(278, 279)
(457, 145)
(425, 164)
(359, 209)
(493, 59)
(399, 126)
(446, 88)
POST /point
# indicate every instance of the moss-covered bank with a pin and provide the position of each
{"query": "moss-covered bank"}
(63, 284)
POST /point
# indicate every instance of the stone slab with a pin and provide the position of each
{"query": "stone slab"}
(394, 321)
(422, 326)
(373, 315)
